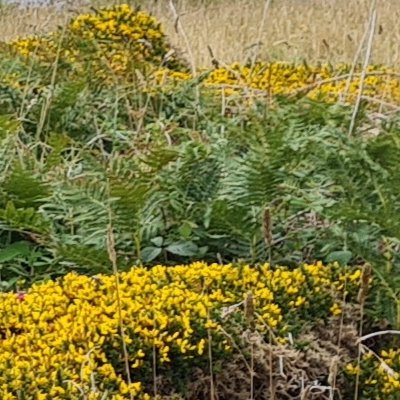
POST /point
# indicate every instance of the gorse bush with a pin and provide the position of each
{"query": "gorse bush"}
(326, 83)
(379, 373)
(63, 338)
(109, 43)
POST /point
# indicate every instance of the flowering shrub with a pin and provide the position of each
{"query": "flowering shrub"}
(322, 82)
(63, 338)
(111, 41)
(379, 374)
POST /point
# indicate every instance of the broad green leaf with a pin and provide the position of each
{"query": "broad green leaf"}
(185, 249)
(14, 250)
(157, 241)
(342, 257)
(150, 253)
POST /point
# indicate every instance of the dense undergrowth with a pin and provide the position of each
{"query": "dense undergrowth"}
(172, 316)
(106, 134)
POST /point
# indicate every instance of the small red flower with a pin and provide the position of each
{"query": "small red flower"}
(21, 296)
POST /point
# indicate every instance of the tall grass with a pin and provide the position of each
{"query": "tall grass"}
(314, 30)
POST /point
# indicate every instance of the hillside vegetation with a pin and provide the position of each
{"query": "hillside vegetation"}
(172, 230)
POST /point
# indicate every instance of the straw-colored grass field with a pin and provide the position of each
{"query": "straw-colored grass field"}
(314, 30)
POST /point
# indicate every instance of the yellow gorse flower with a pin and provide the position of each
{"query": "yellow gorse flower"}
(322, 82)
(63, 336)
(380, 372)
(112, 42)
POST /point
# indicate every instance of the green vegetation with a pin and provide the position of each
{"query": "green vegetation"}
(102, 166)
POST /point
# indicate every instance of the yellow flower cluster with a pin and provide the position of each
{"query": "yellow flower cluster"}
(111, 41)
(322, 82)
(119, 28)
(379, 374)
(64, 338)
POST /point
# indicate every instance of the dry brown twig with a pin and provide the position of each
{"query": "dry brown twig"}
(113, 258)
(361, 298)
(180, 30)
(210, 360)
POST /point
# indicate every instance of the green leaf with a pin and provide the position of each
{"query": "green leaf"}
(7, 285)
(185, 230)
(24, 188)
(203, 250)
(157, 241)
(8, 125)
(83, 257)
(185, 249)
(14, 250)
(342, 257)
(18, 219)
(150, 253)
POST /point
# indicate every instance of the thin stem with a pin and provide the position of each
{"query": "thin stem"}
(260, 30)
(113, 258)
(372, 25)
(210, 358)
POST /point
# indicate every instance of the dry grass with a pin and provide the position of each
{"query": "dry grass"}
(22, 22)
(314, 30)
